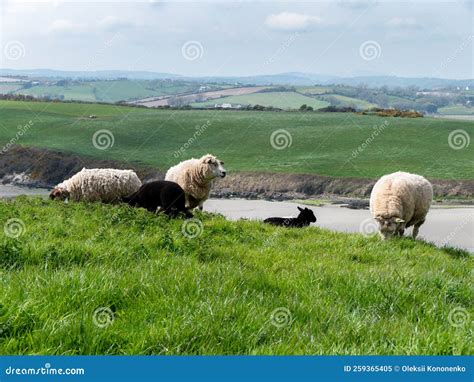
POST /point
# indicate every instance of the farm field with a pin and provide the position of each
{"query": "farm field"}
(7, 87)
(457, 109)
(209, 95)
(311, 142)
(110, 91)
(101, 279)
(314, 89)
(282, 100)
(353, 102)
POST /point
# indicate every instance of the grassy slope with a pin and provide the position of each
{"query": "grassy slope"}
(83, 92)
(314, 89)
(109, 91)
(215, 294)
(283, 100)
(322, 143)
(355, 102)
(7, 87)
(456, 109)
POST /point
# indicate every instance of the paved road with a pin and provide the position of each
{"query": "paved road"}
(451, 226)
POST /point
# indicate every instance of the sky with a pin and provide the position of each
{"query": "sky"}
(416, 38)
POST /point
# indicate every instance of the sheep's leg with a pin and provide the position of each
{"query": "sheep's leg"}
(416, 228)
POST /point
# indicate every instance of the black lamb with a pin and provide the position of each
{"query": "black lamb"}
(169, 196)
(305, 217)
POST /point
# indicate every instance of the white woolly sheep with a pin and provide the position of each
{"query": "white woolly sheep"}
(97, 185)
(196, 177)
(400, 200)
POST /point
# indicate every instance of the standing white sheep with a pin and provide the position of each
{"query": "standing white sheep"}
(400, 200)
(97, 185)
(196, 176)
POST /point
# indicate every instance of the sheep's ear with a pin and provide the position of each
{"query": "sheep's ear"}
(378, 218)
(300, 209)
(398, 220)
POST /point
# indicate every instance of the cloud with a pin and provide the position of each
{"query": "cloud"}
(356, 4)
(403, 22)
(66, 26)
(112, 23)
(289, 21)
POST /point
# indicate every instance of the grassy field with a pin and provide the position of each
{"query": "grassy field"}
(314, 89)
(282, 100)
(456, 109)
(100, 279)
(7, 87)
(321, 143)
(110, 91)
(352, 102)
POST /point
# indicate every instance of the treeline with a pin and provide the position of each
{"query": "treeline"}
(411, 97)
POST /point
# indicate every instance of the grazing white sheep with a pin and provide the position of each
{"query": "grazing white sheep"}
(400, 200)
(196, 176)
(97, 185)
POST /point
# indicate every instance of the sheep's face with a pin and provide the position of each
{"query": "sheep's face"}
(214, 167)
(59, 194)
(306, 215)
(388, 227)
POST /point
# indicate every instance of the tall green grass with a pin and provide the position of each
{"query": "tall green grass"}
(100, 279)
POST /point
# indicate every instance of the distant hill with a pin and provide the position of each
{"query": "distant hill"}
(290, 78)
(96, 74)
(393, 81)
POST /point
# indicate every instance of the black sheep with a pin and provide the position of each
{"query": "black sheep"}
(160, 193)
(305, 217)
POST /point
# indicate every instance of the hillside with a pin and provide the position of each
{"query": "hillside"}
(282, 100)
(332, 144)
(100, 279)
(109, 91)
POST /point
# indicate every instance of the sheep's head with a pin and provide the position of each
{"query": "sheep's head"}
(59, 194)
(389, 226)
(306, 215)
(213, 167)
